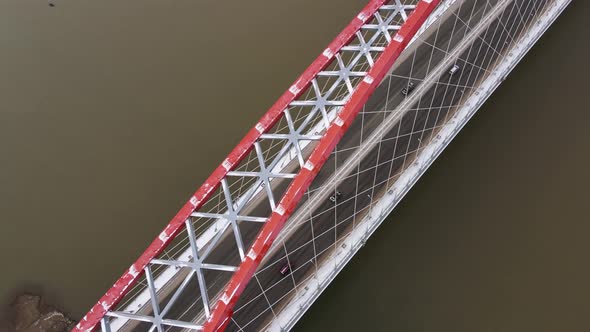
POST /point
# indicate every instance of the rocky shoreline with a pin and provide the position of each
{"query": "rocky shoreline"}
(29, 313)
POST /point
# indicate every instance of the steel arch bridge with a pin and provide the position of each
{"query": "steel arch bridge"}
(266, 233)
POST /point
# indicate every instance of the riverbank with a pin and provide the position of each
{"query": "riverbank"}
(30, 313)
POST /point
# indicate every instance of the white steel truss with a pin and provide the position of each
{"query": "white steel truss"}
(396, 136)
(250, 190)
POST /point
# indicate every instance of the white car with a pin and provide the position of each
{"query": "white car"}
(454, 70)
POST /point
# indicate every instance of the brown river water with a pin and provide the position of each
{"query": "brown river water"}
(113, 112)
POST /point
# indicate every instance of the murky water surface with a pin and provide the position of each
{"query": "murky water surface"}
(113, 112)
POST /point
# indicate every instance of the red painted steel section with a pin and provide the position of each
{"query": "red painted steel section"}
(91, 320)
(221, 315)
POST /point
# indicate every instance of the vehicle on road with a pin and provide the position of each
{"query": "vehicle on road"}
(408, 89)
(285, 269)
(454, 70)
(335, 196)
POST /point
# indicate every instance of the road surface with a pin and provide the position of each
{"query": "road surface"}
(391, 156)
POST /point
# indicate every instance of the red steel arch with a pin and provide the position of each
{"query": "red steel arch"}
(222, 311)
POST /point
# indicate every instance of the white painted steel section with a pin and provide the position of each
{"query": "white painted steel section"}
(330, 267)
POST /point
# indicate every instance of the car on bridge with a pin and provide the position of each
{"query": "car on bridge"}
(335, 196)
(285, 269)
(454, 69)
(408, 89)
